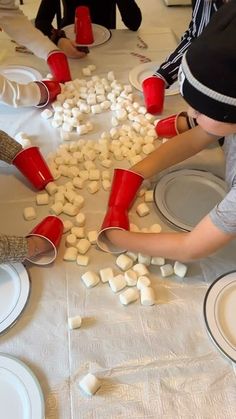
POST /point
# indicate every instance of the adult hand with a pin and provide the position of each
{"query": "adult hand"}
(69, 48)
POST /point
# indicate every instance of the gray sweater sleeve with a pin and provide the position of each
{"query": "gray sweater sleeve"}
(8, 147)
(13, 248)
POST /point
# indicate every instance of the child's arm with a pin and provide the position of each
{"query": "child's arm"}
(202, 241)
(174, 151)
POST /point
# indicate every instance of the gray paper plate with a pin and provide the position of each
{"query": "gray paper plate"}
(184, 197)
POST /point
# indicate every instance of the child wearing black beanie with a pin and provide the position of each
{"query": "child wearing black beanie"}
(208, 84)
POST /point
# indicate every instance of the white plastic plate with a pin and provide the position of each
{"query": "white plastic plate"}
(20, 74)
(100, 34)
(143, 71)
(184, 197)
(20, 393)
(14, 293)
(219, 314)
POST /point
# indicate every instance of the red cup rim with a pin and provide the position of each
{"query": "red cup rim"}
(130, 171)
(24, 150)
(56, 51)
(46, 103)
(105, 245)
(41, 263)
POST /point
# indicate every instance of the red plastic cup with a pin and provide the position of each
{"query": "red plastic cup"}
(125, 184)
(115, 218)
(32, 165)
(59, 66)
(167, 127)
(50, 229)
(83, 26)
(153, 91)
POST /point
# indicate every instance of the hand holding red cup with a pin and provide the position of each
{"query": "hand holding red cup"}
(59, 67)
(83, 26)
(46, 237)
(125, 184)
(32, 165)
(154, 92)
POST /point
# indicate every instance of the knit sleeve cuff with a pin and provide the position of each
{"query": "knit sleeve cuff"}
(13, 248)
(9, 148)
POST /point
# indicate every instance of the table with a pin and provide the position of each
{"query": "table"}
(154, 362)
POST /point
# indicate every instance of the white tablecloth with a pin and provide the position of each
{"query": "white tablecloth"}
(154, 362)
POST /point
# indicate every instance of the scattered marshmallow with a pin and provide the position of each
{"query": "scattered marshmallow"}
(83, 246)
(29, 213)
(142, 209)
(166, 270)
(124, 262)
(143, 281)
(180, 269)
(82, 260)
(42, 199)
(159, 261)
(70, 254)
(74, 322)
(131, 277)
(141, 269)
(129, 296)
(147, 296)
(90, 384)
(106, 274)
(90, 279)
(46, 114)
(117, 283)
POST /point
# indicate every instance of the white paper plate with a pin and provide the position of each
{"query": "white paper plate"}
(219, 314)
(14, 293)
(142, 71)
(20, 393)
(20, 74)
(100, 34)
(184, 197)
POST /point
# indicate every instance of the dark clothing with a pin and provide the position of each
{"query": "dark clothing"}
(103, 12)
(202, 13)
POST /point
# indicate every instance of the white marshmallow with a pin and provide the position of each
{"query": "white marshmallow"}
(156, 260)
(131, 277)
(93, 187)
(29, 213)
(90, 384)
(74, 322)
(155, 228)
(141, 269)
(143, 281)
(42, 199)
(70, 209)
(146, 259)
(51, 188)
(129, 296)
(90, 279)
(124, 262)
(92, 236)
(180, 269)
(142, 209)
(46, 114)
(148, 196)
(67, 225)
(166, 270)
(117, 283)
(71, 240)
(70, 254)
(79, 232)
(83, 246)
(106, 274)
(80, 219)
(132, 256)
(82, 260)
(147, 296)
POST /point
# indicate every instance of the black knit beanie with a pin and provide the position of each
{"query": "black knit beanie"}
(207, 74)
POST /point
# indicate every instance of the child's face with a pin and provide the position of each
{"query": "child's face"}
(210, 125)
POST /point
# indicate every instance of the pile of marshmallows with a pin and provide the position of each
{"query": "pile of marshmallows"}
(84, 164)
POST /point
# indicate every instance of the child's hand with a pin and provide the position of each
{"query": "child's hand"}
(37, 246)
(70, 49)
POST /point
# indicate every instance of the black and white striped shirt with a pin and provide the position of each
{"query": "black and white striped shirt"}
(202, 13)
